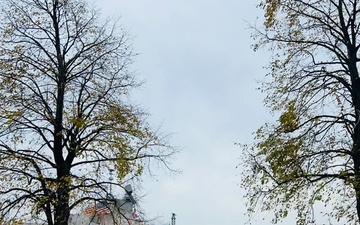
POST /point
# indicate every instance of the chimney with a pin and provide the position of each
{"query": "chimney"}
(173, 219)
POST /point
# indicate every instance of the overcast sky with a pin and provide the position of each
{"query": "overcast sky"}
(200, 77)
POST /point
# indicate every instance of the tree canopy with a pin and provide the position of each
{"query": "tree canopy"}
(65, 115)
(311, 154)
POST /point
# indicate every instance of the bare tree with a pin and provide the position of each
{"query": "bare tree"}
(64, 112)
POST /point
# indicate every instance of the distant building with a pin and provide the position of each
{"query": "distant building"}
(120, 212)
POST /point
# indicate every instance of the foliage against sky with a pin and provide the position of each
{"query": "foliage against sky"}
(65, 115)
(311, 153)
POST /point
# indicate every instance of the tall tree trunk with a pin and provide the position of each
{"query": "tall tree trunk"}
(356, 143)
(62, 211)
(357, 190)
(356, 182)
(61, 206)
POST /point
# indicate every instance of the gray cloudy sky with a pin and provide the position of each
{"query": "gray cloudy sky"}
(201, 77)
